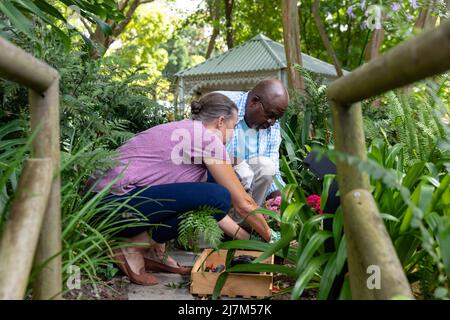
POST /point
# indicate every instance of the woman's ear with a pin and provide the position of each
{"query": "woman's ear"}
(221, 121)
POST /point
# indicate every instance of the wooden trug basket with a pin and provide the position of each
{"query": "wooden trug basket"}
(246, 285)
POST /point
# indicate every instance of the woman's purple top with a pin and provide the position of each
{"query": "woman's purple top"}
(168, 153)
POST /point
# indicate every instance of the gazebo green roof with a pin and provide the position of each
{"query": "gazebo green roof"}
(258, 54)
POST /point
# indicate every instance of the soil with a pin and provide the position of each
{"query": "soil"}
(113, 289)
(281, 282)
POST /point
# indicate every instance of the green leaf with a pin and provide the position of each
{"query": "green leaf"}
(305, 126)
(290, 175)
(263, 267)
(245, 244)
(32, 8)
(63, 37)
(346, 293)
(291, 212)
(219, 285)
(328, 276)
(437, 196)
(426, 195)
(21, 22)
(285, 240)
(327, 181)
(341, 255)
(413, 175)
(49, 9)
(389, 217)
(274, 215)
(409, 211)
(316, 241)
(308, 227)
(253, 245)
(406, 245)
(421, 197)
(307, 274)
(286, 196)
(230, 256)
(443, 237)
(106, 28)
(289, 144)
(394, 152)
(337, 226)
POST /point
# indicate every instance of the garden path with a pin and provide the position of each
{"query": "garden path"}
(171, 286)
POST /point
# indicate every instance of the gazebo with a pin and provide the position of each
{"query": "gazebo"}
(241, 67)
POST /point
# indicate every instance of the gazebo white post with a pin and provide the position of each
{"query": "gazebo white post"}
(283, 77)
(181, 90)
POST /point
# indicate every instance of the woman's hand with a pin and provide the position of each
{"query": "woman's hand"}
(243, 203)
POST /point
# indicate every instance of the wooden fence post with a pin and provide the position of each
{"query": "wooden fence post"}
(349, 140)
(26, 214)
(368, 242)
(43, 82)
(45, 107)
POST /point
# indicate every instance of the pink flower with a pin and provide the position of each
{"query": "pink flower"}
(277, 201)
(274, 204)
(314, 201)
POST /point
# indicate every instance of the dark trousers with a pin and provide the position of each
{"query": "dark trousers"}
(163, 204)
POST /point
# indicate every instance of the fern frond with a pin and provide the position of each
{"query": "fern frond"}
(199, 223)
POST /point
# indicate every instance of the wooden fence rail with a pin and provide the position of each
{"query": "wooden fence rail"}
(368, 243)
(33, 229)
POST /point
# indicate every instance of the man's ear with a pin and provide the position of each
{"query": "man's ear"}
(255, 99)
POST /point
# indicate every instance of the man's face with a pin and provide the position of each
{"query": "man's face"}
(262, 114)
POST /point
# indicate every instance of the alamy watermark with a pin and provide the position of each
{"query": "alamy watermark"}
(374, 279)
(206, 146)
(74, 280)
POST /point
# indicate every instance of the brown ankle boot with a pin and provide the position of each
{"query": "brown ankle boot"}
(143, 278)
(158, 266)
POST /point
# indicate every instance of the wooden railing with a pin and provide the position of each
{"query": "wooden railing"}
(368, 242)
(32, 233)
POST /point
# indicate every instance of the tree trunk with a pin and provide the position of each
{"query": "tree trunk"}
(212, 42)
(229, 22)
(372, 51)
(214, 9)
(128, 8)
(325, 40)
(374, 44)
(426, 19)
(291, 36)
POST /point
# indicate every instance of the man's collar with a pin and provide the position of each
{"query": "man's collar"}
(242, 106)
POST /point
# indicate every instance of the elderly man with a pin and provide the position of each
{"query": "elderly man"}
(257, 138)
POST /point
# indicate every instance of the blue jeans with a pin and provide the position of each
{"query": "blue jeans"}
(163, 204)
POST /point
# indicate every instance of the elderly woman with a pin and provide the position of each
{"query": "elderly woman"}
(171, 161)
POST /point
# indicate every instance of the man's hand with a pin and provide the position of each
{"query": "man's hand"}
(274, 194)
